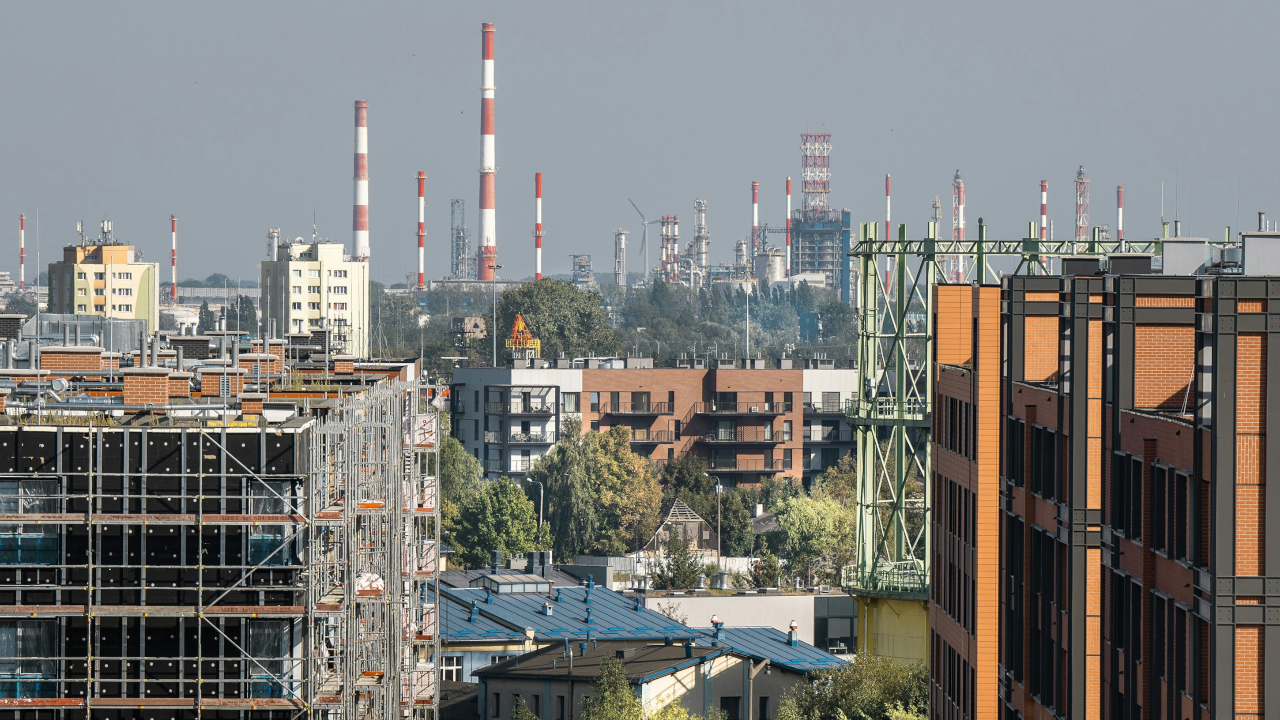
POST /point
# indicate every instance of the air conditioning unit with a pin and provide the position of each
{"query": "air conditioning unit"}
(755, 408)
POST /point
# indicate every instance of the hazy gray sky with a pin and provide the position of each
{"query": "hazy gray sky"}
(237, 117)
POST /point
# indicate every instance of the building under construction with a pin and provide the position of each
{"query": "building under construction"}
(186, 538)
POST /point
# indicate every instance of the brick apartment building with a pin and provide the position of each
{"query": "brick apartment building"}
(1136, 577)
(749, 422)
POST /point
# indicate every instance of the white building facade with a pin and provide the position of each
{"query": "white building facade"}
(316, 286)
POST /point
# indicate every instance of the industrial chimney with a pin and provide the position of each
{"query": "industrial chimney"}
(360, 212)
(488, 162)
(422, 228)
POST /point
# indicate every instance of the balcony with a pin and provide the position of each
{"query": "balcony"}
(532, 438)
(826, 408)
(742, 407)
(652, 437)
(743, 465)
(510, 465)
(624, 408)
(519, 408)
(820, 435)
(744, 436)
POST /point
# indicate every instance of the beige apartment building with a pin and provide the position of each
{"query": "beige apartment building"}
(107, 278)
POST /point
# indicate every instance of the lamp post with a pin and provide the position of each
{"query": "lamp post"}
(495, 269)
(719, 489)
(540, 494)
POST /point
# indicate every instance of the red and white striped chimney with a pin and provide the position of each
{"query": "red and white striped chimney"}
(1120, 214)
(537, 225)
(1044, 209)
(755, 205)
(488, 162)
(788, 226)
(22, 252)
(173, 257)
(888, 214)
(360, 210)
(422, 229)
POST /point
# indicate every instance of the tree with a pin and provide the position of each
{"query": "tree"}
(679, 566)
(243, 316)
(497, 516)
(807, 524)
(628, 497)
(871, 687)
(458, 469)
(565, 473)
(614, 698)
(218, 280)
(208, 320)
(565, 319)
(20, 305)
(765, 571)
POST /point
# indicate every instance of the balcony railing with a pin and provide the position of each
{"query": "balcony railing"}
(820, 435)
(532, 438)
(827, 408)
(742, 407)
(897, 580)
(510, 465)
(652, 437)
(519, 408)
(744, 465)
(886, 408)
(632, 408)
(743, 435)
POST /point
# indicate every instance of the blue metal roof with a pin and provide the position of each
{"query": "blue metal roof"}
(767, 643)
(504, 616)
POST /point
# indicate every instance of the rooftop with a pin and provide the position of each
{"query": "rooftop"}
(640, 663)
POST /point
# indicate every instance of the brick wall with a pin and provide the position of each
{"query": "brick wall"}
(1040, 347)
(1163, 360)
(1250, 663)
(71, 359)
(146, 386)
(1251, 428)
(953, 309)
(344, 365)
(180, 385)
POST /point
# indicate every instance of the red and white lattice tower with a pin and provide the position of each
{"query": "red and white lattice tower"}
(673, 250)
(1082, 206)
(360, 209)
(22, 252)
(537, 226)
(422, 229)
(1044, 209)
(488, 162)
(173, 258)
(788, 227)
(1120, 216)
(815, 178)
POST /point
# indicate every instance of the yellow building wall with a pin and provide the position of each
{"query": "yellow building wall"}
(897, 629)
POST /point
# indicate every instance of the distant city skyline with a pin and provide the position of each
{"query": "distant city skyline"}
(237, 117)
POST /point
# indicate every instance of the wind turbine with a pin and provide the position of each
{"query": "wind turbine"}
(644, 238)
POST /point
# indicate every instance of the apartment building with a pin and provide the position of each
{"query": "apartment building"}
(749, 422)
(308, 287)
(1136, 580)
(964, 608)
(105, 277)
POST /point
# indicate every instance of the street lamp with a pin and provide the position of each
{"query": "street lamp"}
(540, 494)
(495, 269)
(719, 489)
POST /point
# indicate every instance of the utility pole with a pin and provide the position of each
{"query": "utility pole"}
(494, 277)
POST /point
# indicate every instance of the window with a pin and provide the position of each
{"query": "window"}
(80, 276)
(559, 707)
(639, 402)
(296, 306)
(80, 308)
(338, 289)
(297, 273)
(313, 306)
(338, 306)
(595, 426)
(786, 458)
(313, 289)
(595, 402)
(81, 292)
(126, 308)
(313, 273)
(451, 670)
(100, 276)
(297, 289)
(125, 276)
(764, 708)
(786, 431)
(537, 706)
(124, 291)
(496, 710)
(495, 659)
(1015, 436)
(676, 428)
(316, 322)
(830, 456)
(100, 292)
(340, 273)
(729, 706)
(569, 402)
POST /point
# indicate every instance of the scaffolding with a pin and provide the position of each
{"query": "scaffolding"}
(222, 570)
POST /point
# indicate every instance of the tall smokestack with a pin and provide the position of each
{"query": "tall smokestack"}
(1044, 209)
(1120, 216)
(488, 162)
(788, 227)
(173, 257)
(537, 226)
(755, 204)
(888, 217)
(422, 229)
(22, 252)
(360, 210)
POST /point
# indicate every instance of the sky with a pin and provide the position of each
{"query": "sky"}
(237, 117)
